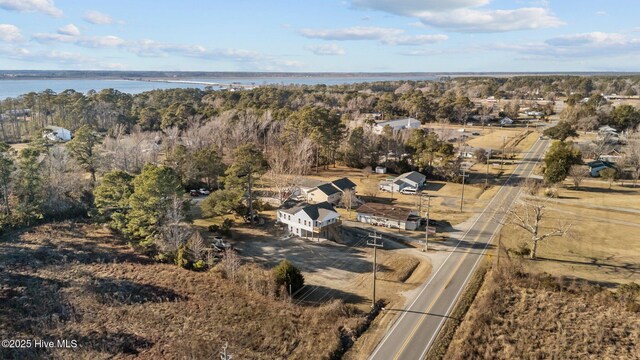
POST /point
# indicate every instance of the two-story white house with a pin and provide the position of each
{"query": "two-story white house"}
(315, 221)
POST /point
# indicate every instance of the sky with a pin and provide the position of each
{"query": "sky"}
(321, 35)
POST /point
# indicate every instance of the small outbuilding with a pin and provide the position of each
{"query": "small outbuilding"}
(388, 216)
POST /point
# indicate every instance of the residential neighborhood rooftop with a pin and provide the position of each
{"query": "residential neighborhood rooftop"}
(385, 211)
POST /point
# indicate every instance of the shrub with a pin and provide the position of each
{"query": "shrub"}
(199, 265)
(551, 192)
(181, 259)
(213, 228)
(522, 250)
(288, 275)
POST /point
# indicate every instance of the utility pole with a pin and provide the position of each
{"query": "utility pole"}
(426, 229)
(462, 195)
(503, 143)
(375, 245)
(486, 175)
(250, 200)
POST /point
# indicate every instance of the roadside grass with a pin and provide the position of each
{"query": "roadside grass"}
(602, 245)
(517, 315)
(80, 282)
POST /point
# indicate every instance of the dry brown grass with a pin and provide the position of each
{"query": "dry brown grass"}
(76, 281)
(521, 316)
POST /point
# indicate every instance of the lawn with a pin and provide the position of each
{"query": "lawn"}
(603, 244)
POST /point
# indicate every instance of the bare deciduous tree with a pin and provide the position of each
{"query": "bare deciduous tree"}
(174, 232)
(528, 215)
(230, 264)
(196, 245)
(348, 200)
(578, 173)
(633, 157)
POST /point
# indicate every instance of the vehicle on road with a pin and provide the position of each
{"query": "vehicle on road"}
(194, 193)
(204, 191)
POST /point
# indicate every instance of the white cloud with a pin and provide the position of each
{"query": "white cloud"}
(592, 38)
(43, 6)
(578, 46)
(415, 40)
(100, 18)
(10, 33)
(328, 49)
(466, 15)
(70, 30)
(409, 7)
(389, 36)
(84, 41)
(471, 20)
(353, 33)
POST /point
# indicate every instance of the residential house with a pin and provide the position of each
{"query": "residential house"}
(324, 193)
(389, 216)
(396, 125)
(506, 121)
(598, 165)
(412, 179)
(56, 133)
(303, 186)
(315, 221)
(317, 191)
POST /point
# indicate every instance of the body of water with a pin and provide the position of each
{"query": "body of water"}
(14, 88)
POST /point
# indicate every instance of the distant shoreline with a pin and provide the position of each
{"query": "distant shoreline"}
(194, 75)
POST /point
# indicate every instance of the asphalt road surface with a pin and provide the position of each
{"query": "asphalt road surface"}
(414, 331)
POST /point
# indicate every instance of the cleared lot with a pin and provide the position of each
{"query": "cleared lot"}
(340, 270)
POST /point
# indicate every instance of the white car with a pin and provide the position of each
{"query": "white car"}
(409, 191)
(204, 191)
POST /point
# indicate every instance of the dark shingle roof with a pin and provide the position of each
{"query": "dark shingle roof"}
(315, 211)
(413, 176)
(343, 184)
(328, 189)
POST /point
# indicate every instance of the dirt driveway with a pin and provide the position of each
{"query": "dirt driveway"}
(341, 270)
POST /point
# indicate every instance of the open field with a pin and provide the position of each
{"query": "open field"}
(603, 245)
(79, 282)
(521, 316)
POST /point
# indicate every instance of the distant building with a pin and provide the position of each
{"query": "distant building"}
(396, 125)
(381, 170)
(56, 133)
(506, 121)
(315, 221)
(595, 167)
(388, 216)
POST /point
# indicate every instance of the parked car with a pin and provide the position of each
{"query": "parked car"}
(475, 133)
(409, 191)
(194, 193)
(204, 191)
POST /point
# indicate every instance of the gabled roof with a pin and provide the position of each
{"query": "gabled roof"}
(343, 184)
(315, 211)
(385, 211)
(328, 189)
(600, 163)
(413, 176)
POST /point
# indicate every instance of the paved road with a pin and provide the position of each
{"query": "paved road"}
(417, 326)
